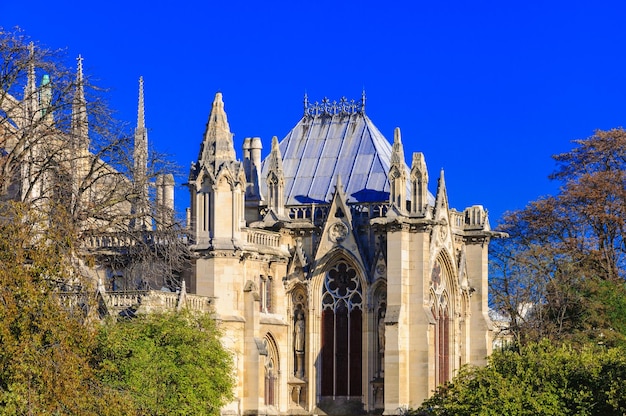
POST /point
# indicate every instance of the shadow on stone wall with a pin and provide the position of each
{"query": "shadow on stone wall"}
(340, 407)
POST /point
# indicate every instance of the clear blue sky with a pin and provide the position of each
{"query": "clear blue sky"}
(488, 90)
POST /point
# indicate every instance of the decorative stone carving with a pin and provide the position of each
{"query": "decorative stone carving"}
(299, 333)
(337, 232)
(299, 343)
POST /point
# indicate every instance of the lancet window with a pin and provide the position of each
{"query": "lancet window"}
(441, 312)
(342, 326)
(265, 292)
(271, 373)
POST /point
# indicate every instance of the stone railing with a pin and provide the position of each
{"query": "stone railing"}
(125, 299)
(458, 219)
(140, 300)
(318, 213)
(129, 239)
(108, 240)
(156, 300)
(264, 238)
(198, 303)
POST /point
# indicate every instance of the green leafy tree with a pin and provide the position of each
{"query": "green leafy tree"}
(540, 379)
(46, 346)
(561, 273)
(169, 364)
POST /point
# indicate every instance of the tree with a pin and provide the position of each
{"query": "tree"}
(46, 346)
(540, 379)
(561, 273)
(63, 153)
(169, 364)
(68, 192)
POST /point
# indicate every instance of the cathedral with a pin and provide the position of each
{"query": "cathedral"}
(341, 283)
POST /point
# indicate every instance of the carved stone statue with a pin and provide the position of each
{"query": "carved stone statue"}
(299, 344)
(381, 331)
(299, 333)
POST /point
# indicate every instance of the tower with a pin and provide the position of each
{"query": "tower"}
(217, 184)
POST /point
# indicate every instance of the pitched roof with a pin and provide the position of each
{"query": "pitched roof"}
(331, 142)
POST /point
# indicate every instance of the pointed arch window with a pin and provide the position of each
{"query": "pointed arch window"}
(441, 313)
(265, 292)
(342, 324)
(271, 373)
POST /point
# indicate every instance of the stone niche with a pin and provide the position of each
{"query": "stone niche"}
(297, 395)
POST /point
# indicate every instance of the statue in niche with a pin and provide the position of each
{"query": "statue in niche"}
(381, 331)
(298, 346)
(299, 332)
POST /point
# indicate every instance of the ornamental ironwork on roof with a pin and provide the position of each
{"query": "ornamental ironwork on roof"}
(332, 108)
(334, 140)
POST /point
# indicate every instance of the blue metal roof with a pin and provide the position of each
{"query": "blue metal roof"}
(324, 146)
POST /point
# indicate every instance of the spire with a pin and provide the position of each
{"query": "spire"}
(397, 173)
(80, 126)
(419, 182)
(397, 151)
(141, 138)
(141, 121)
(217, 146)
(30, 90)
(140, 165)
(441, 200)
(275, 159)
(276, 179)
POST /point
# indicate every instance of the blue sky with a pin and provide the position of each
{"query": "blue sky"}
(487, 90)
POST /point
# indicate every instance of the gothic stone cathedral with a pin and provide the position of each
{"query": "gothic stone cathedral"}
(342, 285)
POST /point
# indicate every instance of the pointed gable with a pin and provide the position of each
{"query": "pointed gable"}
(338, 232)
(335, 139)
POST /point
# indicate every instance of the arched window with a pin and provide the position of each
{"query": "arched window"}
(271, 373)
(341, 332)
(441, 312)
(265, 293)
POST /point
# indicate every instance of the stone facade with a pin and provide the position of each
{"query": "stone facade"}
(342, 285)
(337, 293)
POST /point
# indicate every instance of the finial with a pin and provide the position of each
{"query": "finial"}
(339, 183)
(306, 101)
(396, 135)
(275, 144)
(363, 100)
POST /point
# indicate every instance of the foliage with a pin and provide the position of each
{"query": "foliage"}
(539, 379)
(561, 273)
(63, 153)
(170, 364)
(46, 346)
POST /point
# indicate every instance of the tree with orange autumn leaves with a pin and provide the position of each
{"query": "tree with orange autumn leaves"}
(561, 273)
